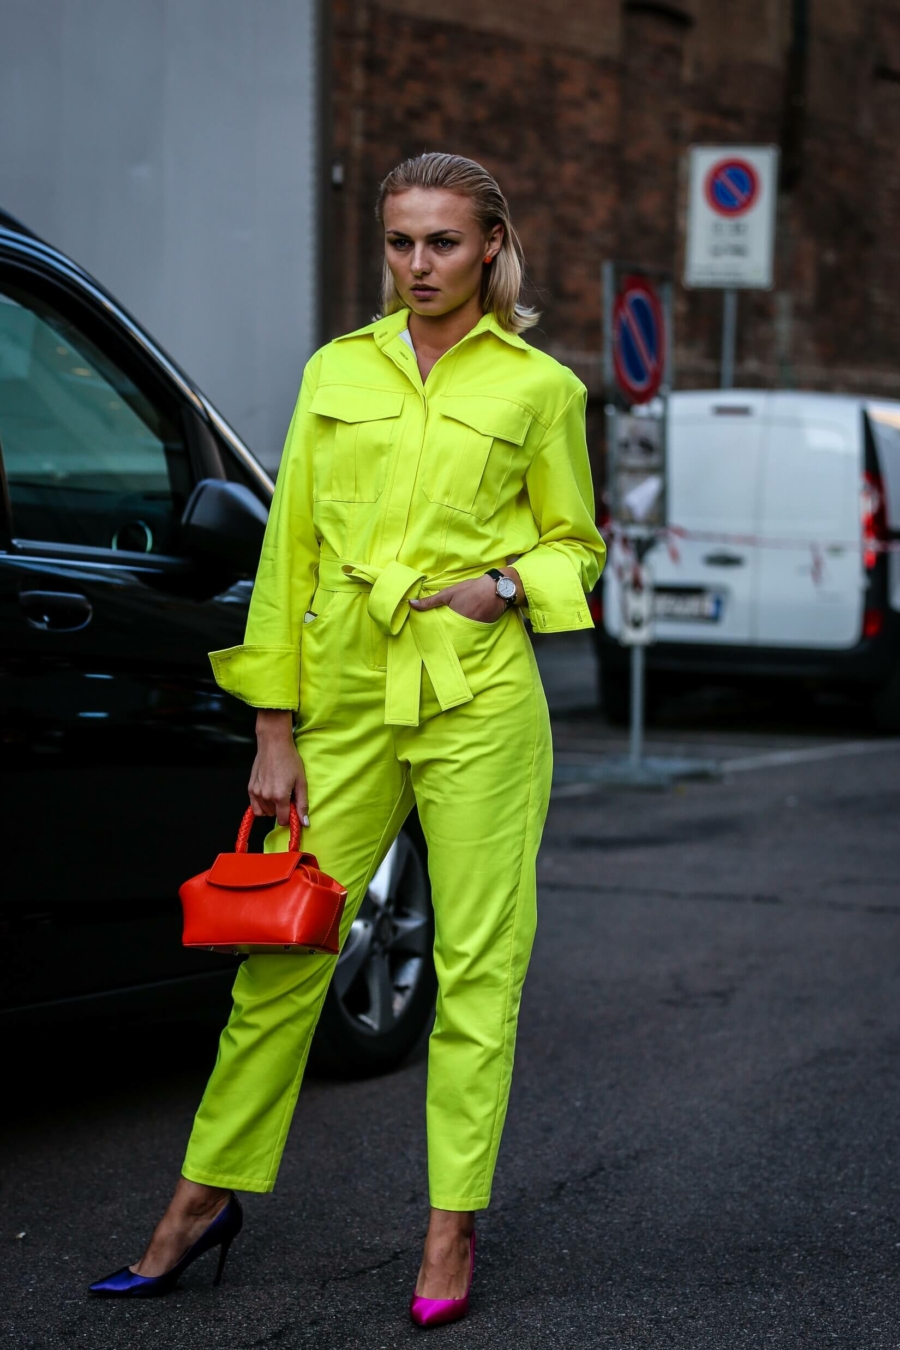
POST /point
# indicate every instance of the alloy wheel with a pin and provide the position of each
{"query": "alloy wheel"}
(387, 952)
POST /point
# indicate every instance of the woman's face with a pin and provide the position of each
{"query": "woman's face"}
(435, 248)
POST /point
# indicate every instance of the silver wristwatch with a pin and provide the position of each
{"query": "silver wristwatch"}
(506, 587)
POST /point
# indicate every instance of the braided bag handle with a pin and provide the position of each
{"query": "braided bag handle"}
(247, 825)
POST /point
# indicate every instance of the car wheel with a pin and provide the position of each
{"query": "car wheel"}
(381, 998)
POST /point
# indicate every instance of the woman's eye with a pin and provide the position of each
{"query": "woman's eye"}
(399, 243)
(444, 244)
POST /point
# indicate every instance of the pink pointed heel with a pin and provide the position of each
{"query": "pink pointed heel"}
(434, 1312)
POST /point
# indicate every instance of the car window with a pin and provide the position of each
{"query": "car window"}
(89, 458)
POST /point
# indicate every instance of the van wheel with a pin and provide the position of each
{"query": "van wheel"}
(381, 998)
(615, 695)
(884, 704)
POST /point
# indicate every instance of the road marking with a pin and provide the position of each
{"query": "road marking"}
(575, 789)
(585, 746)
(774, 759)
(769, 759)
(547, 881)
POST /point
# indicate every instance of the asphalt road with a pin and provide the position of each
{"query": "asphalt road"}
(702, 1148)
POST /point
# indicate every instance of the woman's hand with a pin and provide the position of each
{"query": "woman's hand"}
(476, 599)
(277, 776)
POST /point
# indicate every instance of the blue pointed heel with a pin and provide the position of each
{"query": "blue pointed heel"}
(221, 1233)
(223, 1257)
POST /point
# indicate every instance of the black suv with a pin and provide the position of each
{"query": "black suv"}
(131, 517)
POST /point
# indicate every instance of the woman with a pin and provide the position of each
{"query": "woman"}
(434, 487)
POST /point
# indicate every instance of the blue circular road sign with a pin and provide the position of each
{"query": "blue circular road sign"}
(638, 339)
(731, 187)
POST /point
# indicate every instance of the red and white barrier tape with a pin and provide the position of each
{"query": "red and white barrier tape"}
(671, 534)
(665, 533)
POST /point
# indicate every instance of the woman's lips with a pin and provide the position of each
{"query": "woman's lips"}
(424, 292)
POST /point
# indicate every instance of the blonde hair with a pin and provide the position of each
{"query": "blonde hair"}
(501, 280)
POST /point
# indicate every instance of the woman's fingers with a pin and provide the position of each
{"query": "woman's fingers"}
(261, 803)
(280, 807)
(301, 799)
(299, 795)
(475, 599)
(277, 777)
(434, 601)
(262, 806)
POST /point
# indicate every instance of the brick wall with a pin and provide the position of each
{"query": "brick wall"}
(584, 110)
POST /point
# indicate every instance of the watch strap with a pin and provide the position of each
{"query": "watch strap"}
(498, 576)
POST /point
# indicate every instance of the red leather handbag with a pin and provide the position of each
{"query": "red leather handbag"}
(263, 902)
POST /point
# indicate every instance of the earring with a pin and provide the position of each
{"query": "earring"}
(489, 258)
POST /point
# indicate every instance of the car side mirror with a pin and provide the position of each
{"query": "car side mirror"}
(224, 523)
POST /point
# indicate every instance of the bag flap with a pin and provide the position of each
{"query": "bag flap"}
(247, 871)
(353, 403)
(491, 416)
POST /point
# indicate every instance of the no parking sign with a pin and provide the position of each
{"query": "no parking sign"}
(731, 186)
(731, 216)
(639, 339)
(636, 345)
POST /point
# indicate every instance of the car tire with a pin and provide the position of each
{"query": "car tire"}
(381, 999)
(884, 703)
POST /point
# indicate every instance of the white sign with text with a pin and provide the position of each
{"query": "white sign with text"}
(731, 216)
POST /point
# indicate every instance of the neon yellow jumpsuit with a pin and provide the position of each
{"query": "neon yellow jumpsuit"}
(388, 490)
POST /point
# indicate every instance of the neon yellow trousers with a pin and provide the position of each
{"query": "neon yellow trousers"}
(480, 776)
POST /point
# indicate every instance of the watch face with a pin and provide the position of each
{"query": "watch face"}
(506, 588)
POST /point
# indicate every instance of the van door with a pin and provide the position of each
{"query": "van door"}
(705, 584)
(810, 567)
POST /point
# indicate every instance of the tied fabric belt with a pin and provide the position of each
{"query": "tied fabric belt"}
(414, 638)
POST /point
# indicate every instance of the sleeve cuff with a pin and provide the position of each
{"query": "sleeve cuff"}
(554, 596)
(264, 677)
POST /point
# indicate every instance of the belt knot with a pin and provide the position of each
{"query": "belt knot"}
(392, 587)
(415, 638)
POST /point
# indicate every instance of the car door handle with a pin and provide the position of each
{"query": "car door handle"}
(724, 560)
(56, 611)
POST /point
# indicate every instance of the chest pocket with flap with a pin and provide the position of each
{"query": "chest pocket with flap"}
(353, 445)
(471, 451)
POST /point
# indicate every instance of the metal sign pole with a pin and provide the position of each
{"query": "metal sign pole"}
(637, 705)
(729, 336)
(637, 371)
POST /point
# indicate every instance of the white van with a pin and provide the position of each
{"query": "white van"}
(780, 507)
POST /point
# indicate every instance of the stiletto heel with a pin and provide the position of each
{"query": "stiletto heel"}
(223, 1257)
(221, 1233)
(434, 1312)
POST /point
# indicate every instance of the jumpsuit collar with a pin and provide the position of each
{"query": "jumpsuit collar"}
(392, 325)
(386, 333)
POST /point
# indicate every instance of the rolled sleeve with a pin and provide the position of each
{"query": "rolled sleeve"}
(554, 595)
(568, 558)
(265, 670)
(256, 673)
